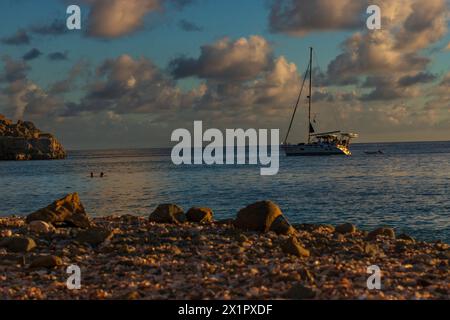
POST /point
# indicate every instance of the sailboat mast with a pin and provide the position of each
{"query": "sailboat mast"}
(310, 93)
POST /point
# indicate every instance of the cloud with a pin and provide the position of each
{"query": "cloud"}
(299, 17)
(189, 26)
(387, 88)
(125, 85)
(13, 70)
(58, 56)
(116, 18)
(57, 27)
(81, 68)
(22, 98)
(226, 60)
(21, 37)
(419, 78)
(32, 54)
(408, 27)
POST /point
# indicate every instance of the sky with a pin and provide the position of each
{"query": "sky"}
(139, 69)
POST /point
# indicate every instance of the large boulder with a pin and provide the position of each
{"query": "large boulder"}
(23, 141)
(263, 216)
(168, 213)
(200, 215)
(66, 211)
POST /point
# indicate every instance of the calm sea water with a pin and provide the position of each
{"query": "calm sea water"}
(408, 187)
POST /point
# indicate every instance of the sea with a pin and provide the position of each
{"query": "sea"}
(407, 187)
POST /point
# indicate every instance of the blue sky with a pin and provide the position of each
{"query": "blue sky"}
(160, 40)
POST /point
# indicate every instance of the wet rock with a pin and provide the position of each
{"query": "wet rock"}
(66, 211)
(300, 292)
(18, 244)
(39, 226)
(94, 236)
(258, 216)
(345, 228)
(200, 215)
(168, 213)
(48, 261)
(386, 232)
(282, 226)
(292, 246)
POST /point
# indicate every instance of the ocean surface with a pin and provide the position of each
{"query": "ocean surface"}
(408, 187)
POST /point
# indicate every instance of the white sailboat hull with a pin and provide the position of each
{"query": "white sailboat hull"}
(316, 149)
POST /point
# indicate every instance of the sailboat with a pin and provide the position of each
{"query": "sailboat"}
(318, 144)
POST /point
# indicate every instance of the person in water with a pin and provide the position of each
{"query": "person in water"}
(102, 175)
(92, 174)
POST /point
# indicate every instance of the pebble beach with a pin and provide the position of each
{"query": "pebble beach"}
(131, 257)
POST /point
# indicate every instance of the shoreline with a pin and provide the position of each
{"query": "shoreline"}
(132, 257)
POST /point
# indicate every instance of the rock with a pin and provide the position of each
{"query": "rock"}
(94, 236)
(39, 226)
(200, 215)
(345, 228)
(5, 233)
(23, 141)
(258, 216)
(168, 213)
(293, 247)
(48, 261)
(282, 226)
(371, 249)
(18, 244)
(68, 210)
(300, 292)
(225, 222)
(405, 237)
(387, 232)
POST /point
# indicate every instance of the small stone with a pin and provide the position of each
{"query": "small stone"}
(300, 292)
(371, 249)
(46, 262)
(168, 213)
(94, 236)
(345, 228)
(423, 282)
(387, 232)
(225, 222)
(39, 226)
(18, 244)
(293, 247)
(134, 295)
(200, 215)
(6, 233)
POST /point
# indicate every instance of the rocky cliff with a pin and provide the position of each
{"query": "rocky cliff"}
(23, 141)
